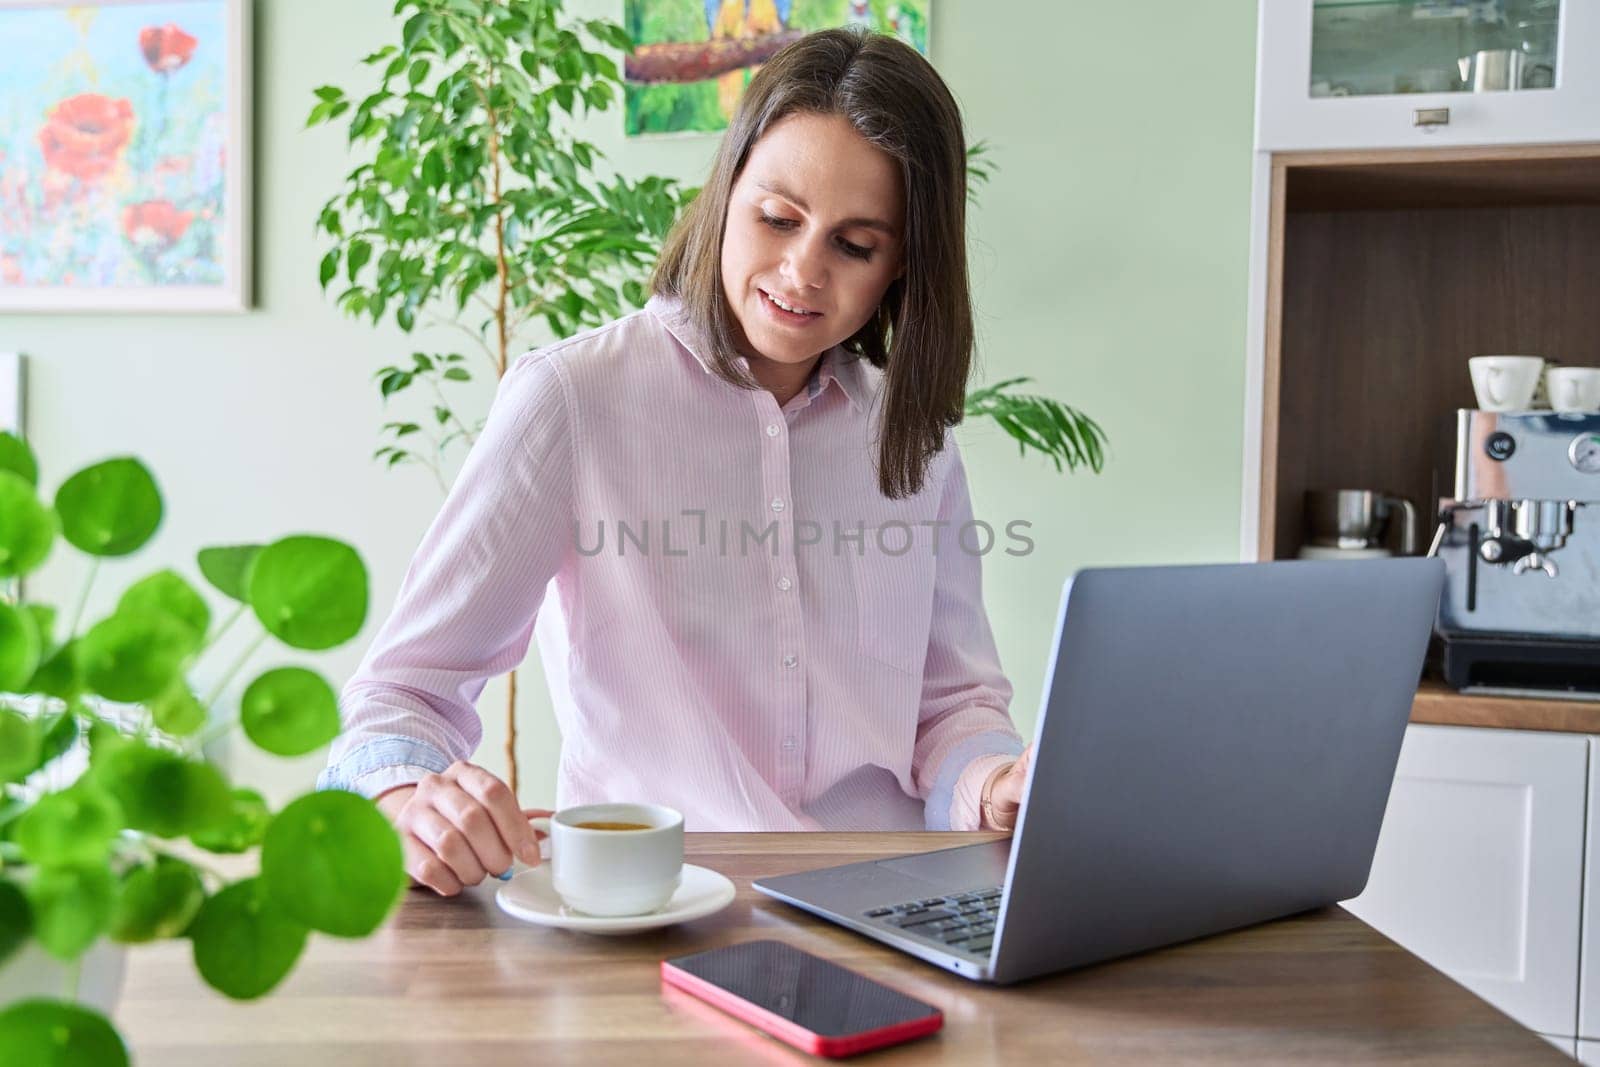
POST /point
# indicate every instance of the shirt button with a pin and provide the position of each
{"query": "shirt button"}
(784, 584)
(777, 504)
(772, 429)
(790, 660)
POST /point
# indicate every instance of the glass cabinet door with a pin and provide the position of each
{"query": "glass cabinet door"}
(1383, 47)
(1426, 73)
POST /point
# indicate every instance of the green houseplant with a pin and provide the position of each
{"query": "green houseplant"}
(109, 804)
(478, 210)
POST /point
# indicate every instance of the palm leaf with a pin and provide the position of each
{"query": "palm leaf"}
(1064, 434)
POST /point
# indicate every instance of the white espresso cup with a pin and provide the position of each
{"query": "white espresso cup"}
(1505, 383)
(610, 872)
(1573, 390)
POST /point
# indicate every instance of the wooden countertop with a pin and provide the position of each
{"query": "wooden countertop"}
(456, 981)
(1437, 704)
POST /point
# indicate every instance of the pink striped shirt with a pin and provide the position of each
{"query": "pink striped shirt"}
(733, 620)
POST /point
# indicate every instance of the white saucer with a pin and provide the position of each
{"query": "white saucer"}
(530, 897)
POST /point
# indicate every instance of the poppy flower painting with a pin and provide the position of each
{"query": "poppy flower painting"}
(123, 128)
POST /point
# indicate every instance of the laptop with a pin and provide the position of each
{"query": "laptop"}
(1215, 749)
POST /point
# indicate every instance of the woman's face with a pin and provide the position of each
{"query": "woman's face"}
(816, 220)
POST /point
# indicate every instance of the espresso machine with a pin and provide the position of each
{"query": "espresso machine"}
(1520, 540)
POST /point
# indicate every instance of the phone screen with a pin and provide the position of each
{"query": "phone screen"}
(817, 996)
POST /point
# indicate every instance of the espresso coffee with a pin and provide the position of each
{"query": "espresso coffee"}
(614, 826)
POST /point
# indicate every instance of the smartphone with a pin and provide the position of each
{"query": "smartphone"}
(814, 1005)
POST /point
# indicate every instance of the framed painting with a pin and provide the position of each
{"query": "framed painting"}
(124, 155)
(693, 58)
(11, 392)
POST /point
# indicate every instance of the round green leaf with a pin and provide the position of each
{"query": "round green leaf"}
(56, 1033)
(59, 732)
(227, 568)
(19, 648)
(74, 826)
(333, 862)
(178, 712)
(16, 920)
(243, 943)
(309, 592)
(290, 711)
(18, 458)
(109, 509)
(156, 901)
(165, 591)
(71, 907)
(161, 792)
(61, 675)
(134, 655)
(244, 828)
(27, 528)
(19, 745)
(44, 620)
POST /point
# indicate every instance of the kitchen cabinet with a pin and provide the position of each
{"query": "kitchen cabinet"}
(1479, 867)
(1589, 982)
(1426, 73)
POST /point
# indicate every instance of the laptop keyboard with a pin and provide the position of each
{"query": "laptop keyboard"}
(961, 922)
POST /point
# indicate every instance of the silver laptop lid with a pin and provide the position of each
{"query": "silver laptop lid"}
(1215, 749)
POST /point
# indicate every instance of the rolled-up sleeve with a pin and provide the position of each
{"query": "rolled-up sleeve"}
(964, 721)
(465, 610)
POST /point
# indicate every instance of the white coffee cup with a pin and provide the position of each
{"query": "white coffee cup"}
(614, 872)
(1573, 389)
(1505, 383)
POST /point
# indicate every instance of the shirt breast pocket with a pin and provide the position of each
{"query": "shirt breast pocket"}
(893, 578)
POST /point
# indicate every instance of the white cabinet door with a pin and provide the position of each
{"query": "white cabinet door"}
(1479, 867)
(1589, 1052)
(1289, 116)
(1589, 983)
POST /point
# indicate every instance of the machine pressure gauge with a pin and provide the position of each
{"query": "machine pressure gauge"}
(1584, 452)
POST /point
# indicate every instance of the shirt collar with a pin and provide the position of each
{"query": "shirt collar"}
(836, 365)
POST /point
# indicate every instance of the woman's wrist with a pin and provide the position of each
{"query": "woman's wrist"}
(993, 815)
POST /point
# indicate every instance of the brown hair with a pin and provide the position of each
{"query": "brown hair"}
(921, 334)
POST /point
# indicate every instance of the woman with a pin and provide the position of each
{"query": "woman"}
(741, 509)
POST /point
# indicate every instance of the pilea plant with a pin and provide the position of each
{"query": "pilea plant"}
(109, 802)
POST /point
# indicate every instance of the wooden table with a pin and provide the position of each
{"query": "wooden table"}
(457, 981)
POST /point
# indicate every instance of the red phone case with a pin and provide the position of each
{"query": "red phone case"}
(788, 1031)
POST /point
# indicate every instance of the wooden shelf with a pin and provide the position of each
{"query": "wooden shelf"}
(1438, 705)
(1477, 177)
(1386, 271)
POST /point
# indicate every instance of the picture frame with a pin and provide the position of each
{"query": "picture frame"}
(125, 164)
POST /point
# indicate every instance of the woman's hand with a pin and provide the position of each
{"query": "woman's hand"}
(1005, 796)
(459, 827)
